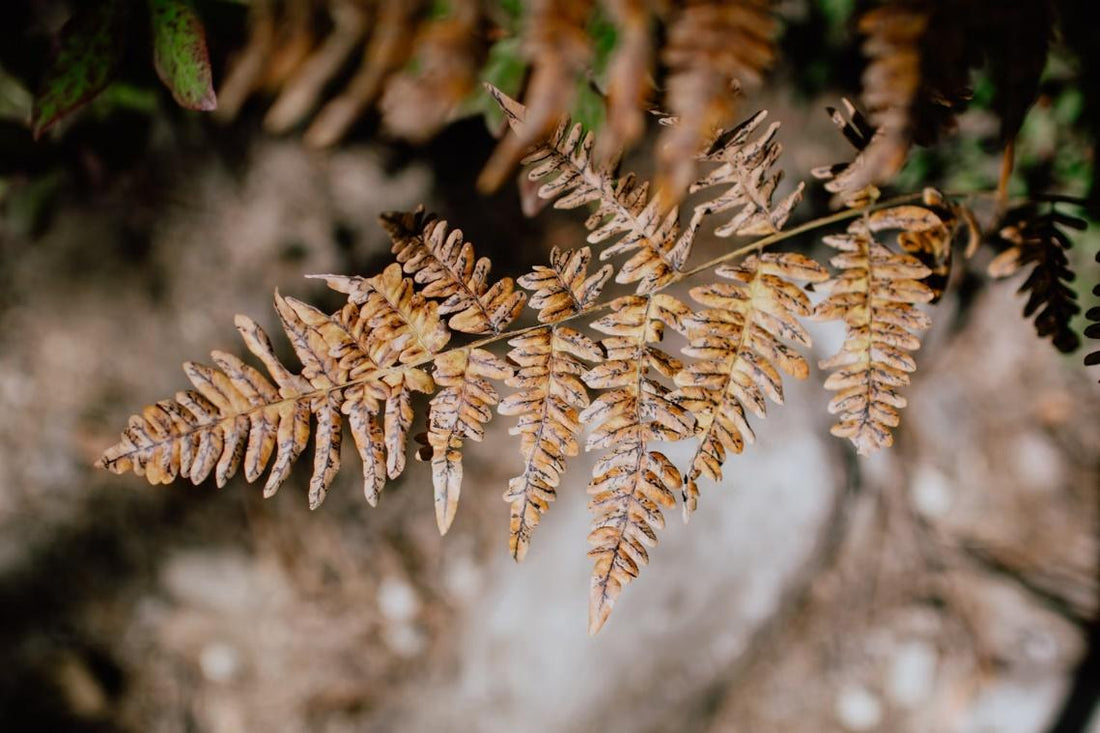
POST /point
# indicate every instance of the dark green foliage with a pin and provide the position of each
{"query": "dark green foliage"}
(90, 47)
(179, 53)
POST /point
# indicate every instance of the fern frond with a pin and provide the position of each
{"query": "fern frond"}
(1092, 331)
(556, 43)
(625, 216)
(351, 366)
(550, 393)
(449, 54)
(233, 414)
(738, 342)
(388, 49)
(839, 177)
(876, 295)
(398, 323)
(714, 49)
(1031, 238)
(920, 56)
(1017, 37)
(745, 167)
(630, 483)
(445, 266)
(459, 412)
(299, 48)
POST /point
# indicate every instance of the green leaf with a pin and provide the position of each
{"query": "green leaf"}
(504, 69)
(88, 52)
(179, 53)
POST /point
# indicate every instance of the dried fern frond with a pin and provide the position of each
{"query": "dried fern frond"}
(625, 216)
(859, 132)
(739, 343)
(458, 412)
(933, 244)
(446, 268)
(745, 167)
(1031, 238)
(714, 49)
(550, 393)
(360, 362)
(389, 47)
(920, 55)
(236, 414)
(876, 295)
(449, 54)
(557, 45)
(630, 483)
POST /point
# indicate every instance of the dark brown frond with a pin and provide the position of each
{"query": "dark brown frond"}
(1016, 36)
(1030, 238)
(715, 49)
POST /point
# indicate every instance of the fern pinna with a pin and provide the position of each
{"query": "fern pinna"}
(623, 397)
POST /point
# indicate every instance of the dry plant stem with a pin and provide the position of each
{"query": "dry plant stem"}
(740, 252)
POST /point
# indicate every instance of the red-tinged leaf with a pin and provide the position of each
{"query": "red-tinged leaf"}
(179, 53)
(87, 55)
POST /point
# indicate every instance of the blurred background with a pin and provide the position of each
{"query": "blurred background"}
(948, 584)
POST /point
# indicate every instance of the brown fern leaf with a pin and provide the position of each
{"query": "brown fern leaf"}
(920, 55)
(624, 215)
(459, 411)
(630, 482)
(449, 54)
(875, 295)
(1031, 238)
(556, 43)
(714, 48)
(745, 167)
(550, 393)
(738, 342)
(445, 266)
(933, 245)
